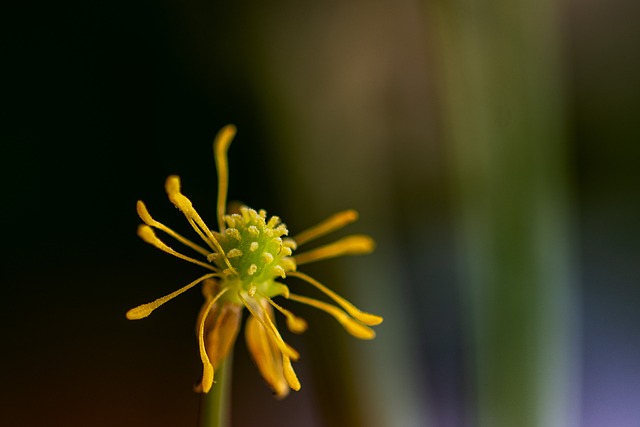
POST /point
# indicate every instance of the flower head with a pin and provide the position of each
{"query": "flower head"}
(246, 259)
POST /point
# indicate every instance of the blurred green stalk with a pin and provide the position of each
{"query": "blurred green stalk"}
(215, 406)
(503, 98)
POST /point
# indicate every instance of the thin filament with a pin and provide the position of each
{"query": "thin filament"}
(220, 147)
(294, 323)
(172, 187)
(352, 326)
(333, 223)
(350, 245)
(144, 310)
(147, 234)
(201, 234)
(147, 219)
(366, 318)
(207, 374)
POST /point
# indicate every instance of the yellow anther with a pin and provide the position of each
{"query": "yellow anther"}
(271, 328)
(295, 324)
(252, 269)
(207, 374)
(273, 221)
(252, 290)
(172, 186)
(147, 234)
(350, 245)
(288, 264)
(351, 325)
(253, 230)
(253, 246)
(267, 258)
(147, 219)
(144, 310)
(233, 232)
(279, 271)
(289, 373)
(282, 230)
(220, 147)
(282, 289)
(230, 220)
(234, 253)
(284, 251)
(334, 222)
(366, 318)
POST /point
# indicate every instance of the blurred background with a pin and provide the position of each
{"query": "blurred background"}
(492, 150)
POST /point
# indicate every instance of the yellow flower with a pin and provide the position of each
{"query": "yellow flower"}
(245, 259)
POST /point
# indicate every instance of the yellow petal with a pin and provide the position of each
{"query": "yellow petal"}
(266, 355)
(271, 327)
(221, 332)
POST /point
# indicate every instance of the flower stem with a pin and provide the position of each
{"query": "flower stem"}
(215, 406)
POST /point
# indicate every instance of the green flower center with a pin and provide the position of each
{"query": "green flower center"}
(257, 251)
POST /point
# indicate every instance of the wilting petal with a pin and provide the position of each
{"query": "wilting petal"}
(221, 332)
(266, 354)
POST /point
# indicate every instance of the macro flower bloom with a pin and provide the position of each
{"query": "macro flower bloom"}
(246, 258)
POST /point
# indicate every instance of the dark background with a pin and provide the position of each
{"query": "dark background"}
(103, 100)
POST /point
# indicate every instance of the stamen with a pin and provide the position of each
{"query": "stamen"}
(350, 245)
(207, 374)
(269, 326)
(278, 270)
(204, 238)
(147, 234)
(273, 221)
(172, 186)
(266, 258)
(234, 253)
(366, 318)
(147, 219)
(282, 289)
(333, 223)
(220, 147)
(295, 324)
(289, 373)
(252, 269)
(144, 310)
(352, 326)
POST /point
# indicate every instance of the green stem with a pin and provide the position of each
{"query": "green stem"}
(215, 405)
